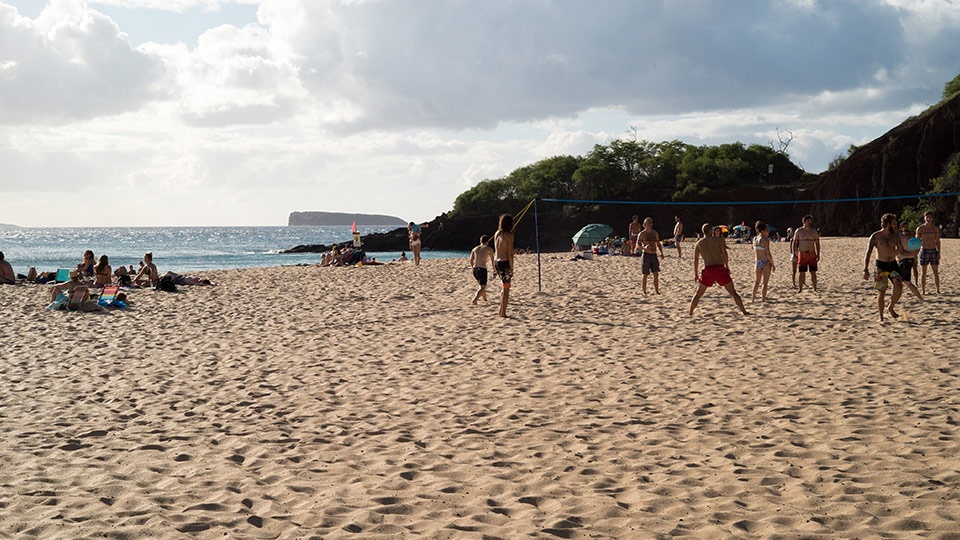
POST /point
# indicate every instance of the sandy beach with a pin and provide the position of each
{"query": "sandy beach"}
(376, 402)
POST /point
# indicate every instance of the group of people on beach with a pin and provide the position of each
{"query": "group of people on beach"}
(500, 256)
(896, 260)
(92, 275)
(898, 252)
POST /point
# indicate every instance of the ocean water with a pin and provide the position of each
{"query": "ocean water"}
(181, 249)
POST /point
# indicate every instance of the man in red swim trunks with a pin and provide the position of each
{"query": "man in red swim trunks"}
(715, 270)
(806, 244)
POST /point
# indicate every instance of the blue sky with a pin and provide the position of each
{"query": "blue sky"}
(209, 112)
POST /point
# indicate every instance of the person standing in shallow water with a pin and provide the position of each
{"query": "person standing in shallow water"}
(715, 270)
(503, 258)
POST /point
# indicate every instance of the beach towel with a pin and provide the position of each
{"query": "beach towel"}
(59, 303)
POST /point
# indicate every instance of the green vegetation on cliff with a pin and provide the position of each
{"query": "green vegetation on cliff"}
(632, 170)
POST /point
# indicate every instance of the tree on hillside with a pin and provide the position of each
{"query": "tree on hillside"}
(632, 170)
(840, 158)
(951, 88)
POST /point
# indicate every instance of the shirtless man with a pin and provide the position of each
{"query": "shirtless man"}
(649, 243)
(478, 262)
(677, 234)
(888, 245)
(929, 235)
(715, 259)
(635, 229)
(6, 272)
(503, 258)
(806, 244)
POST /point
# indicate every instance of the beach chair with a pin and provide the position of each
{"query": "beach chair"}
(78, 297)
(108, 295)
(63, 275)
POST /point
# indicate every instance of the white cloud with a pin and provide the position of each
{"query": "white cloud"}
(398, 106)
(69, 64)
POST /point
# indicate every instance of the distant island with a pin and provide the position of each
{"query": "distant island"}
(6, 226)
(340, 218)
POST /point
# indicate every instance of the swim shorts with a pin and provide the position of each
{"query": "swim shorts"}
(886, 270)
(503, 270)
(930, 256)
(649, 263)
(480, 273)
(715, 273)
(905, 268)
(807, 260)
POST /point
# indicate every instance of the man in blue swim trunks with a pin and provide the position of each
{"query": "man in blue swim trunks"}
(888, 245)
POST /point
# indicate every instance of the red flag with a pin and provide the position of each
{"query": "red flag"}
(354, 229)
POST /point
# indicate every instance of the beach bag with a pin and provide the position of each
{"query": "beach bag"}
(166, 284)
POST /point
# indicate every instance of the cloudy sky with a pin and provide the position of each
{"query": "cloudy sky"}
(237, 112)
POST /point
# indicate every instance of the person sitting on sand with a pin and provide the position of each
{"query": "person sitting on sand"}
(68, 288)
(180, 279)
(336, 256)
(102, 273)
(123, 277)
(148, 272)
(86, 267)
(403, 256)
(6, 272)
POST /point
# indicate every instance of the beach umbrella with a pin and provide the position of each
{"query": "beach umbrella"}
(591, 234)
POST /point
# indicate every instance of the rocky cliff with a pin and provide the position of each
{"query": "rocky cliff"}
(900, 162)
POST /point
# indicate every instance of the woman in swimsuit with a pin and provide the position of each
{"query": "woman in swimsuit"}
(102, 273)
(764, 259)
(414, 231)
(86, 267)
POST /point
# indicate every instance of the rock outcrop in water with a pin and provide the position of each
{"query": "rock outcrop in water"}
(341, 219)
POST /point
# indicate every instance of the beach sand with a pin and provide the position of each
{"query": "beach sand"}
(376, 402)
